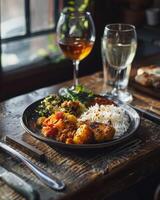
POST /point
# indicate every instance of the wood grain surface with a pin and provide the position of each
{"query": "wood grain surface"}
(90, 175)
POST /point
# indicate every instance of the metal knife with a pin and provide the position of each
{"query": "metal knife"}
(47, 179)
(147, 114)
(18, 184)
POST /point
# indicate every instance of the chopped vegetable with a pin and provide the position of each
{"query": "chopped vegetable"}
(49, 105)
(70, 100)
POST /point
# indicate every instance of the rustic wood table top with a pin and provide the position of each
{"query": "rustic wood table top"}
(84, 172)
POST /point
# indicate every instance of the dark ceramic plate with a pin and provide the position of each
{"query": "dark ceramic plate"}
(29, 124)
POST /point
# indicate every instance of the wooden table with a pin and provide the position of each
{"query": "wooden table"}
(90, 175)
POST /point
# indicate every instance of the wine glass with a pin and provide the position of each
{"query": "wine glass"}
(119, 46)
(76, 36)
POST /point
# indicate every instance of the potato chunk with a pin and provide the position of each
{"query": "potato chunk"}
(102, 132)
(40, 121)
(83, 135)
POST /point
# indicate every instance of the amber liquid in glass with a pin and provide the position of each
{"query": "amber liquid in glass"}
(76, 48)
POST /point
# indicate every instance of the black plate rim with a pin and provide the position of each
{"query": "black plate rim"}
(110, 143)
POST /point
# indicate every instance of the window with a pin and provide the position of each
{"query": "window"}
(31, 58)
(28, 32)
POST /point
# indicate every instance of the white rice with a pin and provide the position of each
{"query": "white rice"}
(106, 114)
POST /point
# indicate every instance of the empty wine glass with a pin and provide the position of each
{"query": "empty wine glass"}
(119, 46)
(76, 36)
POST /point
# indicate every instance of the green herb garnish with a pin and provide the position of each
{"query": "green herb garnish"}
(77, 93)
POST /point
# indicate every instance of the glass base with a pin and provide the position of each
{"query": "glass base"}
(123, 96)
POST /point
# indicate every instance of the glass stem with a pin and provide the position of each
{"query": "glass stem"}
(75, 72)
